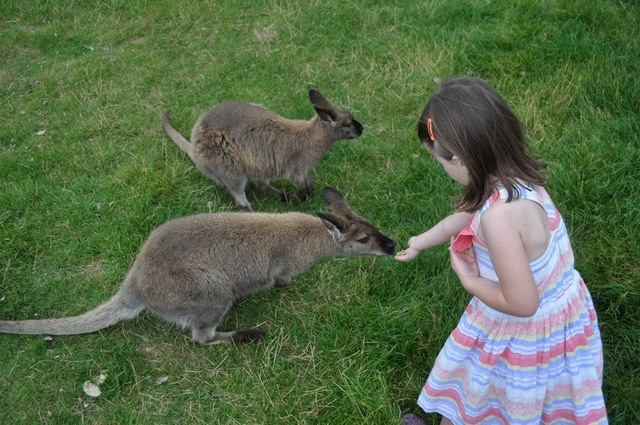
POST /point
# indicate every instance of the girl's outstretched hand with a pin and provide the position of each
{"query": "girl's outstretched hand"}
(408, 254)
(464, 263)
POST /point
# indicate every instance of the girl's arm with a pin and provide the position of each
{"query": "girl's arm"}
(502, 231)
(437, 235)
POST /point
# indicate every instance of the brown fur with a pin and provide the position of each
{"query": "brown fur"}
(193, 269)
(234, 143)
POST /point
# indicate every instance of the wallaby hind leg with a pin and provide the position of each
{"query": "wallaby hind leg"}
(235, 185)
(239, 195)
(204, 316)
(209, 336)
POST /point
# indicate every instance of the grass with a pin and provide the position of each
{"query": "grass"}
(86, 172)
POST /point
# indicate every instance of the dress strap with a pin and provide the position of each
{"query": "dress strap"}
(538, 195)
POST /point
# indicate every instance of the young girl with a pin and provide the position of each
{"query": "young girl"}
(527, 349)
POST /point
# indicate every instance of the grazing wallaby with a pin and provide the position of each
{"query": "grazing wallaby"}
(237, 142)
(193, 269)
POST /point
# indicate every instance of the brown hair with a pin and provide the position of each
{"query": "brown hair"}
(470, 120)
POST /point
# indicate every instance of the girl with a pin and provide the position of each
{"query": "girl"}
(527, 349)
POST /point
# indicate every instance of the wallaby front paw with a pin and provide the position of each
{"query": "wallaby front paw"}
(289, 198)
(310, 192)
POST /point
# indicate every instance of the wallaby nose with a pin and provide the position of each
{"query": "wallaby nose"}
(390, 247)
(358, 127)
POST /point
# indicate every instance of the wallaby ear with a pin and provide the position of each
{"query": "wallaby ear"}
(334, 225)
(317, 99)
(334, 200)
(323, 107)
(326, 115)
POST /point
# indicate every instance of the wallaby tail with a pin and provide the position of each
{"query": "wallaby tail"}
(121, 306)
(183, 143)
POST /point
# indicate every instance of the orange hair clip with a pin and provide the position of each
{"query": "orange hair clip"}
(430, 129)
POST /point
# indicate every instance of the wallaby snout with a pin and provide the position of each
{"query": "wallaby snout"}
(358, 235)
(191, 270)
(346, 127)
(234, 143)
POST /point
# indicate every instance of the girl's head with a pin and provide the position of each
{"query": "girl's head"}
(467, 122)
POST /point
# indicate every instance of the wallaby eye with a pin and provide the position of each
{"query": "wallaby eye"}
(364, 240)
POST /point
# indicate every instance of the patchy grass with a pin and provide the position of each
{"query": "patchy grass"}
(86, 172)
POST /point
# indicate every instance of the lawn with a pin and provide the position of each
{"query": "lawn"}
(87, 172)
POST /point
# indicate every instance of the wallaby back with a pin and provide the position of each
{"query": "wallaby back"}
(236, 142)
(193, 269)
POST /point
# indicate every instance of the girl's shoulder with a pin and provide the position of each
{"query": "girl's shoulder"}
(537, 194)
(520, 201)
(526, 216)
(507, 210)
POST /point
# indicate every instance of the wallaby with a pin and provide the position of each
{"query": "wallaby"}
(193, 269)
(237, 142)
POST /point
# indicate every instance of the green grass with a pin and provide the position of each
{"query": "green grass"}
(352, 341)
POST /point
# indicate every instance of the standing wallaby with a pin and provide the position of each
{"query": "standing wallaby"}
(193, 269)
(237, 142)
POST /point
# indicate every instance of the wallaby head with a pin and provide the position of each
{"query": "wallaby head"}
(191, 270)
(356, 235)
(236, 142)
(341, 122)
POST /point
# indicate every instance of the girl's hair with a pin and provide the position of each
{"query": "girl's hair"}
(467, 118)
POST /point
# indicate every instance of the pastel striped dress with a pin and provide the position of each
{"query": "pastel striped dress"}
(500, 369)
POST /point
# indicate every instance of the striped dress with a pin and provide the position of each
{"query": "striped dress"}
(500, 369)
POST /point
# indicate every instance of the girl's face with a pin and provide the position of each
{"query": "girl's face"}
(454, 168)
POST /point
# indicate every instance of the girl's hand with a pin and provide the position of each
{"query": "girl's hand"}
(464, 263)
(408, 254)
